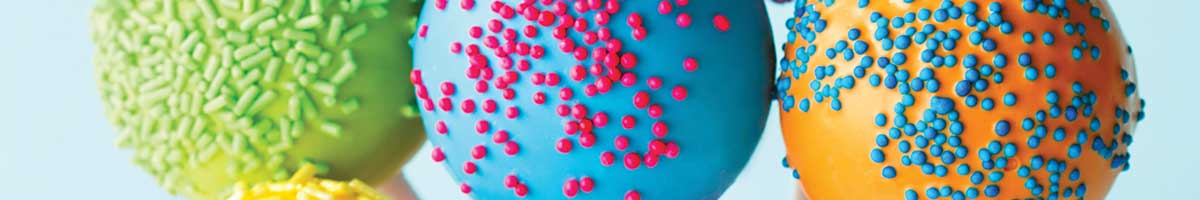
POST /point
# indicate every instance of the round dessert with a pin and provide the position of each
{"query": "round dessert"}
(957, 99)
(597, 99)
(305, 185)
(211, 93)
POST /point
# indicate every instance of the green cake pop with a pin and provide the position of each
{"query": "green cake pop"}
(208, 93)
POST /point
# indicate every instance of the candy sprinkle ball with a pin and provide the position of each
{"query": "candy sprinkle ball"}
(305, 185)
(209, 93)
(957, 99)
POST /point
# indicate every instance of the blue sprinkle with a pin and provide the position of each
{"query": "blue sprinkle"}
(889, 172)
(877, 155)
(1010, 150)
(1002, 128)
(1051, 71)
(991, 191)
(910, 195)
(881, 140)
(1010, 99)
(1031, 74)
(1048, 38)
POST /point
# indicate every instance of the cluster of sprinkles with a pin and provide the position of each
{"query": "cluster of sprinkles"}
(1069, 99)
(188, 81)
(498, 57)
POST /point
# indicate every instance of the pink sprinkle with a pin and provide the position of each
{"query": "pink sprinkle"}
(415, 76)
(633, 195)
(500, 136)
(469, 167)
(421, 92)
(621, 142)
(682, 2)
(447, 88)
(581, 25)
(511, 148)
(654, 82)
(440, 4)
(600, 119)
(579, 111)
(495, 26)
(563, 145)
(562, 110)
(657, 147)
(581, 6)
(590, 37)
(577, 73)
(604, 33)
(523, 65)
(440, 127)
(478, 152)
(475, 32)
(571, 188)
(570, 127)
(482, 126)
(552, 79)
(606, 158)
(684, 20)
(538, 52)
(546, 18)
(580, 54)
(655, 111)
(641, 99)
(586, 184)
(538, 78)
(468, 106)
(427, 104)
(596, 69)
(590, 90)
(509, 94)
(690, 64)
(464, 188)
(437, 155)
(634, 20)
(632, 160)
(511, 181)
(445, 103)
(565, 93)
(489, 106)
(559, 8)
(615, 45)
(639, 33)
(680, 93)
(566, 45)
(721, 22)
(628, 122)
(604, 84)
(510, 34)
(612, 6)
(664, 7)
(539, 98)
(628, 79)
(672, 150)
(587, 140)
(511, 112)
(521, 190)
(531, 31)
(424, 30)
(468, 4)
(585, 125)
(629, 60)
(601, 18)
(659, 129)
(651, 160)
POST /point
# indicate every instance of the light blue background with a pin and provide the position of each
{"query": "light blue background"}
(56, 144)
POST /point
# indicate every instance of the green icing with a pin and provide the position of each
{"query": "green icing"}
(210, 92)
